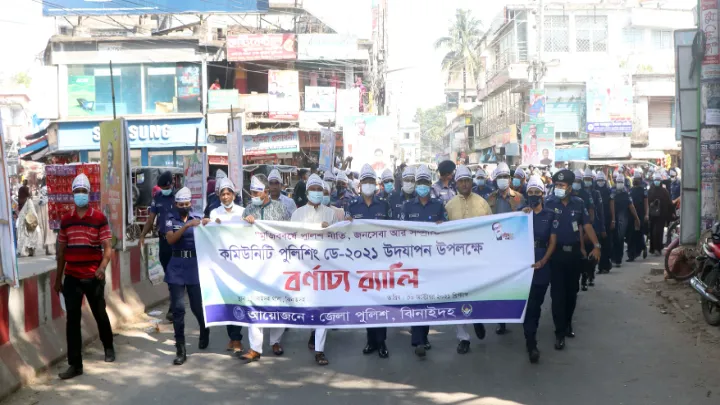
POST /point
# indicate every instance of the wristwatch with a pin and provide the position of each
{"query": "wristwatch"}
(597, 245)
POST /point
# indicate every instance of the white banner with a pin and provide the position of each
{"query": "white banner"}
(366, 273)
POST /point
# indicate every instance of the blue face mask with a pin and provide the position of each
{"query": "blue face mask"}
(480, 182)
(389, 187)
(516, 182)
(326, 200)
(587, 183)
(576, 186)
(315, 197)
(559, 193)
(81, 200)
(166, 192)
(422, 190)
(657, 183)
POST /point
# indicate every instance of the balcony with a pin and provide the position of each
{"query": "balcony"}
(509, 67)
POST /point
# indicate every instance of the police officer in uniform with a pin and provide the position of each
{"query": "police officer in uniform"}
(406, 192)
(624, 212)
(445, 188)
(483, 186)
(162, 204)
(370, 206)
(607, 196)
(636, 237)
(572, 221)
(588, 275)
(675, 189)
(579, 191)
(423, 208)
(545, 242)
(388, 184)
(342, 195)
(182, 273)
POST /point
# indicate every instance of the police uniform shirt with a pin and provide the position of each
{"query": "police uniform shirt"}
(599, 222)
(397, 200)
(415, 211)
(586, 197)
(379, 208)
(622, 200)
(542, 230)
(483, 192)
(638, 194)
(570, 218)
(162, 206)
(341, 200)
(182, 270)
(443, 193)
(606, 195)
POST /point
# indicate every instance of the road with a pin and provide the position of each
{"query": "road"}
(626, 352)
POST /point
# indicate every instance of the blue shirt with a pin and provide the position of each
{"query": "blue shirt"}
(586, 197)
(342, 199)
(638, 195)
(397, 200)
(378, 209)
(444, 193)
(606, 195)
(162, 206)
(485, 191)
(570, 218)
(622, 201)
(183, 271)
(675, 189)
(542, 230)
(415, 211)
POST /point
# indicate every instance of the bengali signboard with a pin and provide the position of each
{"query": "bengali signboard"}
(320, 99)
(710, 67)
(327, 149)
(195, 171)
(223, 99)
(369, 139)
(366, 273)
(609, 103)
(247, 47)
(538, 143)
(271, 143)
(283, 94)
(113, 159)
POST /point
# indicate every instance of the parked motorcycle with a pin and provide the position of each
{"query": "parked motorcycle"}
(707, 277)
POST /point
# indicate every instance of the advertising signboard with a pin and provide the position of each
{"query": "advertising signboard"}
(327, 149)
(320, 99)
(369, 139)
(195, 171)
(113, 152)
(283, 94)
(538, 143)
(609, 103)
(271, 143)
(246, 47)
(141, 7)
(536, 110)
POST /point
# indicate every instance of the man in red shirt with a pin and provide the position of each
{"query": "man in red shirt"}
(84, 251)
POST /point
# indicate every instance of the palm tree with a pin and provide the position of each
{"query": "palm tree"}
(463, 47)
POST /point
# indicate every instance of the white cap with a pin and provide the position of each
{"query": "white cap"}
(462, 172)
(341, 176)
(578, 174)
(256, 185)
(536, 183)
(620, 178)
(219, 174)
(481, 173)
(387, 175)
(326, 187)
(329, 176)
(275, 175)
(589, 173)
(502, 168)
(519, 172)
(366, 172)
(183, 195)
(600, 176)
(225, 183)
(409, 172)
(81, 181)
(657, 176)
(315, 180)
(638, 173)
(423, 173)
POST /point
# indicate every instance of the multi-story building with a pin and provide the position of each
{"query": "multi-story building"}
(409, 145)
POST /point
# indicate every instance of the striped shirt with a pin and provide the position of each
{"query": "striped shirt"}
(84, 237)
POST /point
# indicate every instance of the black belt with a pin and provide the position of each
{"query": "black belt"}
(575, 247)
(541, 244)
(185, 254)
(162, 236)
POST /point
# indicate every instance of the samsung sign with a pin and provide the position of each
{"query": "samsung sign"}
(141, 134)
(142, 7)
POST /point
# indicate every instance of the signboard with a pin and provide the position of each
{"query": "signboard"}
(124, 7)
(710, 68)
(329, 47)
(283, 94)
(604, 147)
(195, 171)
(246, 47)
(569, 154)
(320, 99)
(536, 110)
(81, 95)
(223, 99)
(271, 143)
(327, 149)
(609, 103)
(285, 274)
(235, 153)
(538, 143)
(369, 139)
(348, 103)
(113, 155)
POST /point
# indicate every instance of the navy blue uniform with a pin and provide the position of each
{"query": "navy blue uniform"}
(162, 206)
(599, 228)
(397, 200)
(607, 194)
(415, 211)
(181, 275)
(341, 199)
(566, 261)
(675, 189)
(636, 238)
(485, 191)
(623, 221)
(379, 208)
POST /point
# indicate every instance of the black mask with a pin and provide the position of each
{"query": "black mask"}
(183, 211)
(533, 200)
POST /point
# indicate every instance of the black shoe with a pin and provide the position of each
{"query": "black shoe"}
(383, 351)
(71, 372)
(569, 333)
(584, 287)
(501, 329)
(591, 283)
(169, 316)
(204, 339)
(420, 351)
(616, 265)
(630, 259)
(109, 355)
(560, 343)
(369, 348)
(427, 345)
(463, 347)
(645, 253)
(534, 355)
(180, 354)
(479, 330)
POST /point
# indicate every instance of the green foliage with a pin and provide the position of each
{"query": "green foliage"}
(463, 47)
(22, 78)
(432, 127)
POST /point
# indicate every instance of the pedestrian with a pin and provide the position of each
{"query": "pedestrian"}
(624, 213)
(483, 186)
(607, 198)
(675, 189)
(162, 205)
(518, 181)
(598, 223)
(275, 188)
(370, 206)
(299, 192)
(636, 237)
(423, 208)
(228, 211)
(342, 195)
(407, 192)
(329, 180)
(339, 212)
(315, 213)
(466, 204)
(572, 220)
(660, 212)
(23, 194)
(84, 251)
(182, 272)
(29, 236)
(388, 183)
(445, 188)
(545, 242)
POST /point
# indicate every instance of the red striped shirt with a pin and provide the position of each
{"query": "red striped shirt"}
(84, 237)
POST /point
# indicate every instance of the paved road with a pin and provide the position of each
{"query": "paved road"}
(626, 352)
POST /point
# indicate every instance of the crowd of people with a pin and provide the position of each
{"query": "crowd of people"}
(581, 223)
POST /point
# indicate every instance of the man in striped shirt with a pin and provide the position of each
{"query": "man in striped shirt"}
(84, 251)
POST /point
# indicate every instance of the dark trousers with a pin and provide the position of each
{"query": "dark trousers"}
(234, 332)
(621, 227)
(419, 335)
(376, 336)
(635, 241)
(532, 314)
(74, 289)
(165, 253)
(606, 249)
(588, 266)
(657, 226)
(564, 286)
(177, 306)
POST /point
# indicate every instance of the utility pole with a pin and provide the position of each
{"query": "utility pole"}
(539, 82)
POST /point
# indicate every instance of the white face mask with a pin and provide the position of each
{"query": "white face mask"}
(408, 187)
(620, 185)
(503, 183)
(368, 189)
(228, 205)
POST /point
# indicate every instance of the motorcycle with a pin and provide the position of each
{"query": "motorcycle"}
(706, 281)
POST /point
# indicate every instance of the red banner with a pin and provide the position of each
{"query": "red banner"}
(247, 47)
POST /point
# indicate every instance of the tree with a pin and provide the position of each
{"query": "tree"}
(432, 128)
(22, 78)
(463, 48)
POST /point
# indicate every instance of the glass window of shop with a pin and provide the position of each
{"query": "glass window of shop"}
(135, 157)
(172, 88)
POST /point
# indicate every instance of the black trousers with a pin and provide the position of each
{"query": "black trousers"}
(532, 314)
(621, 229)
(419, 335)
(376, 336)
(177, 306)
(636, 240)
(588, 265)
(565, 270)
(606, 249)
(657, 226)
(94, 290)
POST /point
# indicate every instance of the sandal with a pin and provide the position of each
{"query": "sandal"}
(320, 359)
(277, 349)
(311, 341)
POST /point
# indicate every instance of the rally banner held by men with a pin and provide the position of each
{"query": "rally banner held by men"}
(380, 273)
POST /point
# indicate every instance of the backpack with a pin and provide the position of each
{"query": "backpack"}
(655, 210)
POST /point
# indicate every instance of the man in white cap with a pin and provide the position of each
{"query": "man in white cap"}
(342, 195)
(84, 251)
(339, 212)
(275, 181)
(466, 204)
(607, 197)
(624, 213)
(518, 181)
(636, 237)
(405, 193)
(329, 179)
(314, 212)
(213, 200)
(388, 183)
(675, 188)
(483, 186)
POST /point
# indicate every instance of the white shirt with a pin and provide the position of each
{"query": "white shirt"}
(235, 214)
(311, 215)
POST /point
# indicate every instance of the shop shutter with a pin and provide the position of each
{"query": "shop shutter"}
(660, 112)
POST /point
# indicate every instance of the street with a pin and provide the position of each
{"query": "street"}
(626, 352)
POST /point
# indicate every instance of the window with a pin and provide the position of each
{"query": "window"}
(660, 112)
(633, 38)
(556, 34)
(591, 33)
(662, 40)
(407, 135)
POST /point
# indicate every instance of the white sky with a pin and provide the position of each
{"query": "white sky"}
(25, 34)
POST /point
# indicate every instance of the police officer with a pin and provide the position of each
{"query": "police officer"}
(423, 208)
(182, 273)
(518, 181)
(342, 195)
(388, 184)
(607, 196)
(406, 192)
(588, 275)
(370, 206)
(483, 186)
(162, 204)
(579, 191)
(444, 188)
(624, 213)
(545, 242)
(636, 237)
(573, 219)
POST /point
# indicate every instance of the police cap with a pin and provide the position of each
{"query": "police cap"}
(564, 176)
(446, 167)
(165, 179)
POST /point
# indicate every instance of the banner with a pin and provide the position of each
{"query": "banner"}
(369, 139)
(223, 99)
(283, 94)
(195, 170)
(270, 143)
(327, 149)
(235, 153)
(321, 99)
(113, 173)
(538, 143)
(536, 110)
(366, 273)
(247, 47)
(609, 102)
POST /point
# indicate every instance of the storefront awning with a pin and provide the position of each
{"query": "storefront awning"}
(34, 146)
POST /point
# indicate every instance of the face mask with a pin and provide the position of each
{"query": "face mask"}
(480, 182)
(81, 200)
(389, 187)
(166, 192)
(601, 183)
(315, 197)
(257, 201)
(326, 200)
(620, 185)
(559, 193)
(533, 200)
(657, 183)
(228, 205)
(408, 187)
(516, 182)
(588, 184)
(184, 211)
(422, 190)
(576, 186)
(503, 183)
(368, 189)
